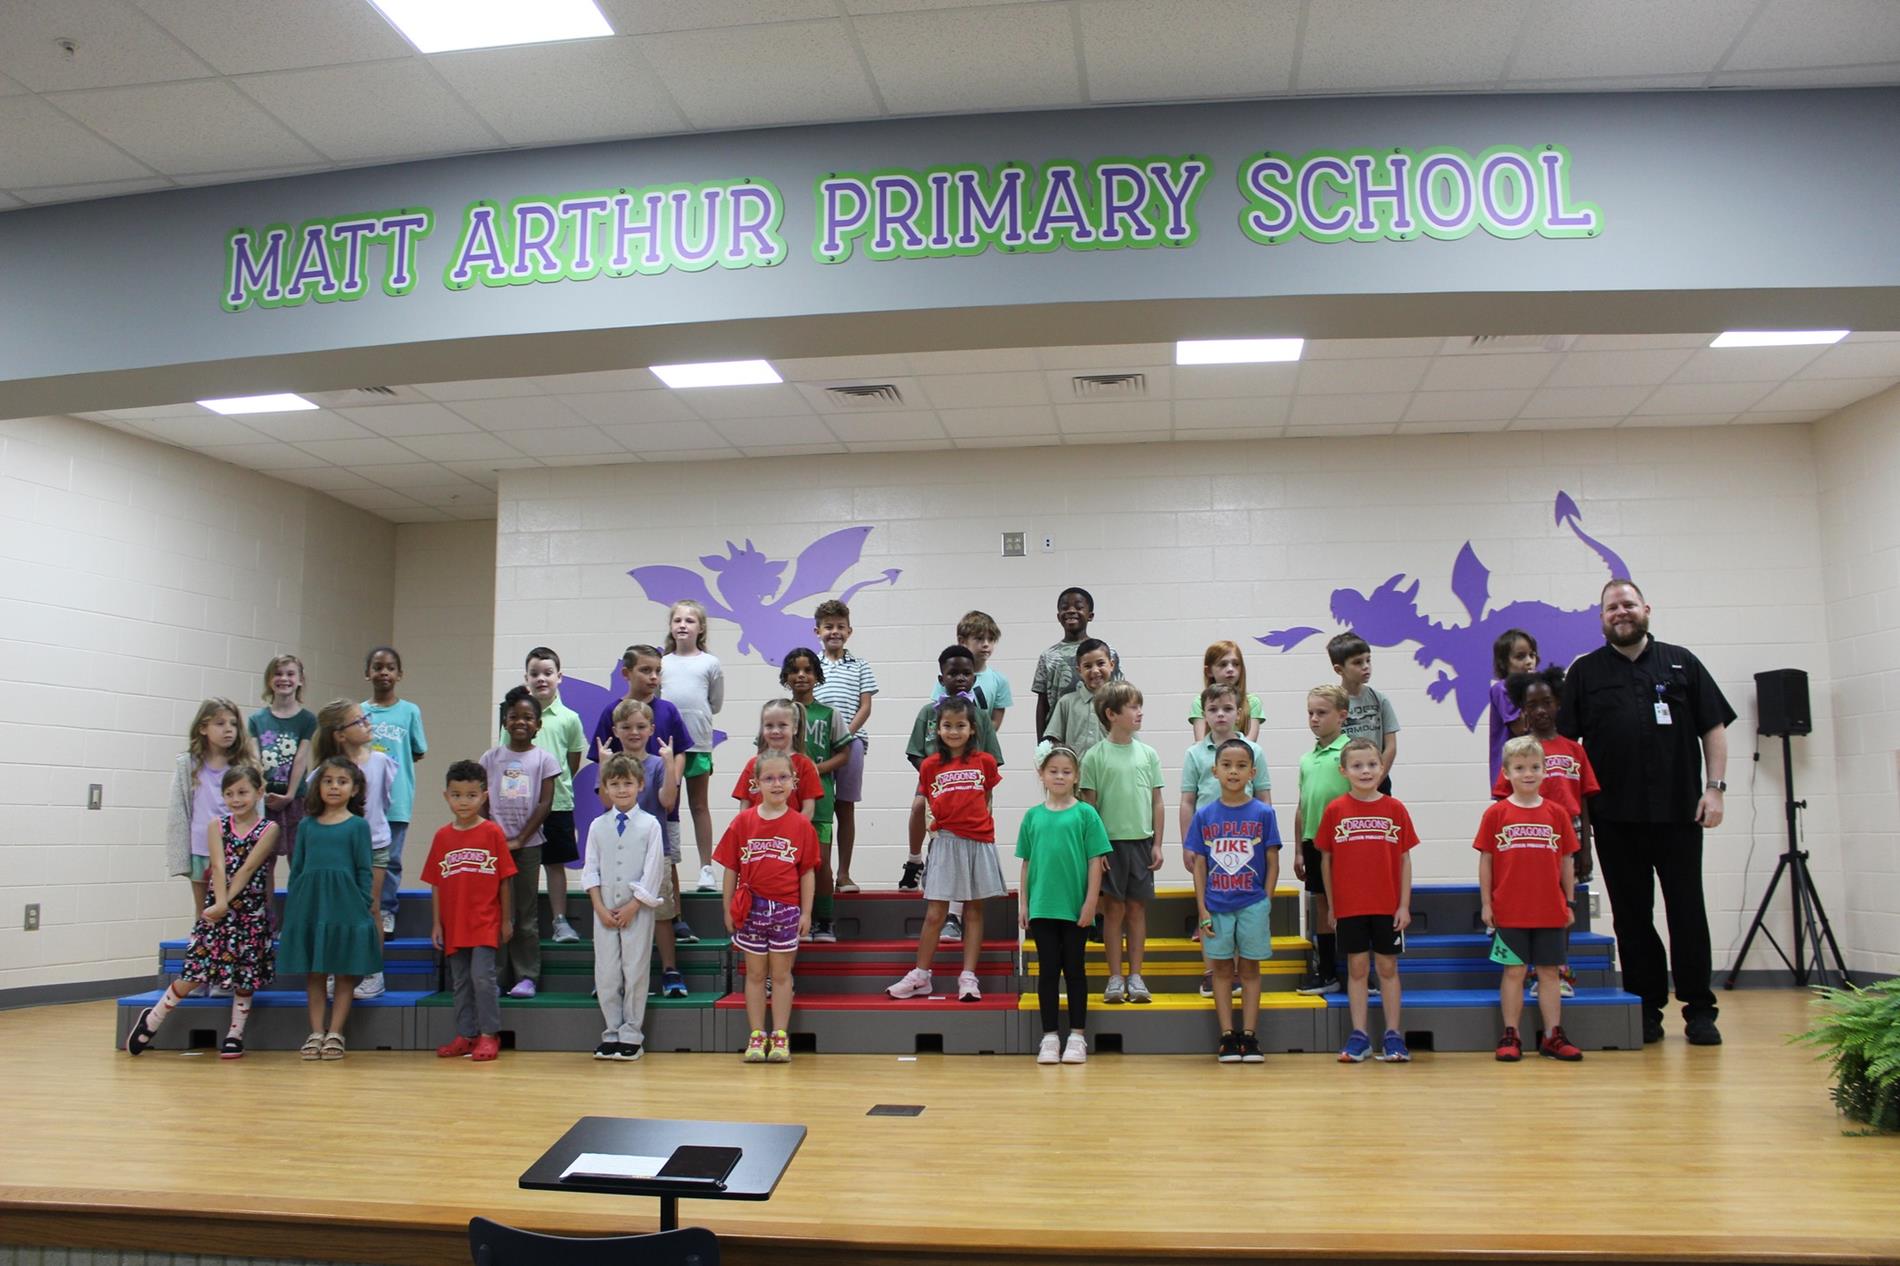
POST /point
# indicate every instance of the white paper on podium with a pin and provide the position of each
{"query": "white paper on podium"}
(607, 1165)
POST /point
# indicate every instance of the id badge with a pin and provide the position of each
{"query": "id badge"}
(1662, 713)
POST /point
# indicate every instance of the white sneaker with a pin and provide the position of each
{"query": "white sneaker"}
(967, 989)
(1138, 990)
(389, 924)
(708, 882)
(1077, 1051)
(564, 933)
(371, 986)
(1117, 991)
(1051, 1049)
(952, 929)
(915, 984)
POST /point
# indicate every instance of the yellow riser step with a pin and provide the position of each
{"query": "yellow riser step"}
(1183, 1002)
(1273, 967)
(1282, 946)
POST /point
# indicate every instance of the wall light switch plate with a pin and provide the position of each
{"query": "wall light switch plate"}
(95, 795)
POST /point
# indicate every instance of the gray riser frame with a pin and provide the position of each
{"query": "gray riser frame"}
(577, 1029)
(945, 981)
(410, 977)
(1470, 1028)
(1175, 914)
(897, 954)
(1478, 978)
(1148, 1031)
(275, 1028)
(1454, 909)
(883, 1032)
(565, 982)
(1098, 980)
(881, 918)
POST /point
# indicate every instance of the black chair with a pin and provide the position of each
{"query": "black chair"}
(492, 1244)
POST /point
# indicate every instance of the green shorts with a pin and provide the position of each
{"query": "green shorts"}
(200, 866)
(1243, 933)
(698, 765)
(823, 831)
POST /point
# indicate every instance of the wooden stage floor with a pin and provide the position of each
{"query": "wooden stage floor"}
(1670, 1154)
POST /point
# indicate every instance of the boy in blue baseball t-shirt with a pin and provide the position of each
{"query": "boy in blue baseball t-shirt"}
(1233, 845)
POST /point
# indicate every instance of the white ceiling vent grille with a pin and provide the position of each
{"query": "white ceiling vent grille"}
(1109, 386)
(1509, 343)
(882, 395)
(357, 396)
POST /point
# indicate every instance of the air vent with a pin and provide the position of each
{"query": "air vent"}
(1509, 343)
(881, 395)
(1109, 386)
(358, 396)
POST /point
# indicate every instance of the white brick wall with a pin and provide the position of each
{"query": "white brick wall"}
(1858, 452)
(136, 579)
(1183, 544)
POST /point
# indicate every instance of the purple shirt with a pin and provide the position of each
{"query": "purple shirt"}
(667, 724)
(207, 806)
(1502, 714)
(515, 780)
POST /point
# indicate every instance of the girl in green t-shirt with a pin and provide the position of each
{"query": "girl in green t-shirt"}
(1063, 845)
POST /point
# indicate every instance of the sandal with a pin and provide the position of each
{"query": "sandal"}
(141, 1035)
(232, 1047)
(332, 1046)
(313, 1046)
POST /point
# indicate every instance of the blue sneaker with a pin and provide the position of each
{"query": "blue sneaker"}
(1395, 1052)
(1357, 1047)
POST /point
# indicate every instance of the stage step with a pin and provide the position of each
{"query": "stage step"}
(873, 978)
(1180, 1024)
(279, 1021)
(569, 966)
(1468, 1020)
(875, 1024)
(571, 1022)
(1455, 908)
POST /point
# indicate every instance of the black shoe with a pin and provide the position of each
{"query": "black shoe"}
(141, 1035)
(627, 1052)
(1229, 1049)
(1701, 1031)
(1652, 1029)
(607, 1050)
(913, 874)
(1250, 1050)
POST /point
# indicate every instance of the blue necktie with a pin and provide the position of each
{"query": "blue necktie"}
(620, 825)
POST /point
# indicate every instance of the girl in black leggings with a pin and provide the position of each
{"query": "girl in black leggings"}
(1063, 846)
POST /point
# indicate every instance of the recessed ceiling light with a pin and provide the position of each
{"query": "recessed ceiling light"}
(1237, 351)
(444, 26)
(281, 403)
(718, 373)
(1778, 338)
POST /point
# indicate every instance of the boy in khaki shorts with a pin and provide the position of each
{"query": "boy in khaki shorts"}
(1121, 777)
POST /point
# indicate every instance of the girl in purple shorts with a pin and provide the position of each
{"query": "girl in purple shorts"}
(770, 856)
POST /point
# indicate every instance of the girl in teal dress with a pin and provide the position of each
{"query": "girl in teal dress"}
(329, 919)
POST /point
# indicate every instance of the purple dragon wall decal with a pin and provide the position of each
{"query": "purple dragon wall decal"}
(1390, 616)
(750, 596)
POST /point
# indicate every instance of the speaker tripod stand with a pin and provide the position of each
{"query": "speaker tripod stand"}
(1811, 925)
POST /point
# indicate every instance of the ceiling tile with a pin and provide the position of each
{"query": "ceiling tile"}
(468, 496)
(1616, 369)
(855, 7)
(412, 475)
(1822, 393)
(1339, 411)
(843, 368)
(1651, 420)
(1561, 424)
(1836, 77)
(1337, 377)
(696, 455)
(207, 428)
(588, 459)
(1855, 360)
(990, 360)
(975, 391)
(982, 423)
(398, 420)
(1224, 382)
(269, 456)
(750, 432)
(1418, 42)
(813, 393)
(202, 126)
(1791, 33)
(418, 514)
(646, 17)
(762, 401)
(39, 146)
(1450, 406)
(373, 451)
(116, 44)
(1489, 371)
(1745, 364)
(579, 90)
(1755, 418)
(793, 450)
(666, 437)
(189, 179)
(1162, 50)
(1339, 431)
(1563, 39)
(1143, 416)
(378, 499)
(1727, 398)
(1359, 348)
(1008, 441)
(486, 473)
(242, 36)
(516, 413)
(375, 110)
(857, 429)
(600, 381)
(756, 76)
(324, 478)
(51, 194)
(1257, 411)
(320, 424)
(464, 448)
(185, 409)
(955, 60)
(1459, 426)
(1108, 356)
(564, 441)
(8, 88)
(479, 389)
(1230, 433)
(627, 408)
(897, 446)
(1583, 402)
(1638, 342)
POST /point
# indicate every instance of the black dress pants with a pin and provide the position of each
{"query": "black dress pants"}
(1633, 858)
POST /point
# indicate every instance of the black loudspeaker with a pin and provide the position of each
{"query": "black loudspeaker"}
(1781, 696)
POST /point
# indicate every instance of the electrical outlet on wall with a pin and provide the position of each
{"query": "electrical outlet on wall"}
(32, 923)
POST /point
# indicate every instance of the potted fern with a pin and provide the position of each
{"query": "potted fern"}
(1859, 1034)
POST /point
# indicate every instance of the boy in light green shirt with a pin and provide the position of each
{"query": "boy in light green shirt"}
(1121, 777)
(564, 737)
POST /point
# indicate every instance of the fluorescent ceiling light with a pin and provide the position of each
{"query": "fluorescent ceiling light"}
(443, 26)
(719, 373)
(1236, 351)
(1778, 338)
(281, 403)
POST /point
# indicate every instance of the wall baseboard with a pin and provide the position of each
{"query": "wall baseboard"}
(77, 991)
(1782, 978)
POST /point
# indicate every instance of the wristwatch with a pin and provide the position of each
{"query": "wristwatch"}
(1716, 784)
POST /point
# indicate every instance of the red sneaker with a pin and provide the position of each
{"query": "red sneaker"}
(455, 1050)
(486, 1048)
(1557, 1046)
(1510, 1047)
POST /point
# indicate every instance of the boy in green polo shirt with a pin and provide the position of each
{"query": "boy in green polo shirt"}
(1121, 777)
(1322, 781)
(1220, 708)
(564, 737)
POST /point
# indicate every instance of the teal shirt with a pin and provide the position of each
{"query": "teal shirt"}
(1197, 771)
(396, 732)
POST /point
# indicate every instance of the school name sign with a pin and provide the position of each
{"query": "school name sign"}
(938, 212)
